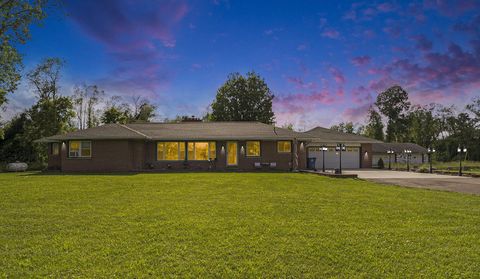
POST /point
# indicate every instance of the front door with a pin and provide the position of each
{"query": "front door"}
(232, 153)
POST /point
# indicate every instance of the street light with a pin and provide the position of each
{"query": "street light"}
(461, 150)
(408, 152)
(324, 148)
(340, 147)
(390, 152)
(430, 152)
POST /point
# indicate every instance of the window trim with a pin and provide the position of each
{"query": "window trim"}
(284, 152)
(80, 156)
(259, 145)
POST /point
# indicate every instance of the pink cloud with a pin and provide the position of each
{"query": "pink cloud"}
(331, 33)
(135, 36)
(361, 60)
(354, 114)
(337, 75)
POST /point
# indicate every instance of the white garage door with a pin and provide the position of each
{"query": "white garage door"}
(350, 158)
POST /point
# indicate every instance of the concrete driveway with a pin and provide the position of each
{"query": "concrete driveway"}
(421, 180)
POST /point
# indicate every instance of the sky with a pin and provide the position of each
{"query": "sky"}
(325, 61)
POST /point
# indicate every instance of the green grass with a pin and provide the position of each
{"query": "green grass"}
(232, 225)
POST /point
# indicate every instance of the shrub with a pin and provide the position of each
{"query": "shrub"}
(380, 163)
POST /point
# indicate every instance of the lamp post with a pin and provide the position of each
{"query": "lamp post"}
(340, 147)
(324, 148)
(408, 152)
(390, 152)
(460, 151)
(430, 152)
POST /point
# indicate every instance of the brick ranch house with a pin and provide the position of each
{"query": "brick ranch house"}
(223, 146)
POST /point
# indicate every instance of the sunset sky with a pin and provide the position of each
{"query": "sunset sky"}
(325, 61)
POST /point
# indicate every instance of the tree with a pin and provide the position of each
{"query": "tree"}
(243, 99)
(16, 16)
(116, 114)
(474, 108)
(374, 127)
(288, 126)
(143, 111)
(86, 98)
(393, 103)
(344, 127)
(52, 114)
(424, 127)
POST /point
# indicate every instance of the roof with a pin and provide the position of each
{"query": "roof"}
(180, 131)
(397, 147)
(324, 135)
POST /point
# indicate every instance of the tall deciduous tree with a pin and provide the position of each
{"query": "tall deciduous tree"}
(374, 127)
(16, 16)
(52, 114)
(243, 99)
(394, 104)
(86, 99)
(423, 126)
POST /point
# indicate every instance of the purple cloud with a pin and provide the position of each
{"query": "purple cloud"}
(361, 60)
(135, 36)
(422, 43)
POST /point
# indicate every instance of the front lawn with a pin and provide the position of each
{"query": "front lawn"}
(232, 224)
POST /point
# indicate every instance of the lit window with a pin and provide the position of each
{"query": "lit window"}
(79, 149)
(55, 148)
(284, 146)
(253, 148)
(202, 151)
(213, 150)
(171, 151)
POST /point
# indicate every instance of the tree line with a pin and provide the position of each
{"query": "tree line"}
(54, 113)
(393, 118)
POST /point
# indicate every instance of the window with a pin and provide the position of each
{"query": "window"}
(284, 146)
(202, 151)
(253, 148)
(55, 148)
(79, 149)
(171, 151)
(175, 151)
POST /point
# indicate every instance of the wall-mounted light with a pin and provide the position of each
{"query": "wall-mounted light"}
(242, 150)
(222, 150)
(301, 146)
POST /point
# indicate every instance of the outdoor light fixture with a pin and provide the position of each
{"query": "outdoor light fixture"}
(408, 153)
(461, 150)
(242, 150)
(324, 148)
(222, 150)
(340, 147)
(430, 151)
(390, 152)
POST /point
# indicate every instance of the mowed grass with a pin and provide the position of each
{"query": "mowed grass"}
(232, 225)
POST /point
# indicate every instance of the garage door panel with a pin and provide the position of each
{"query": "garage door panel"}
(350, 158)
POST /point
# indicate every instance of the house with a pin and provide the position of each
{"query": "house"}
(241, 146)
(417, 156)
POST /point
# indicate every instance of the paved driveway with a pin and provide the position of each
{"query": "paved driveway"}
(421, 180)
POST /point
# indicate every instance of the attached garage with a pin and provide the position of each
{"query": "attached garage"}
(350, 157)
(357, 152)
